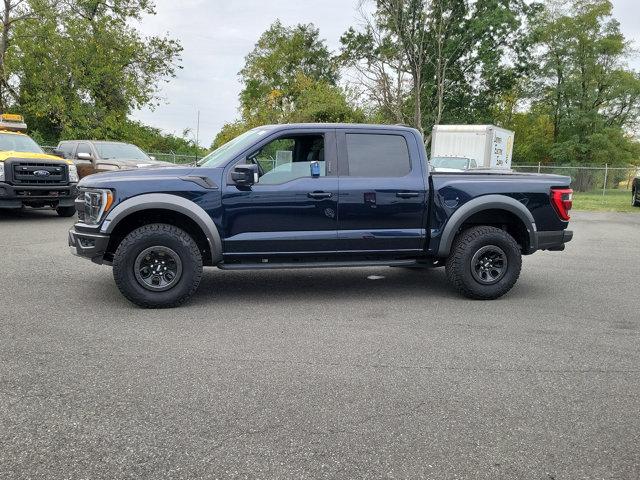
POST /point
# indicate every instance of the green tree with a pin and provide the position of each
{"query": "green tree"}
(433, 61)
(151, 139)
(290, 76)
(272, 71)
(80, 68)
(585, 87)
(13, 13)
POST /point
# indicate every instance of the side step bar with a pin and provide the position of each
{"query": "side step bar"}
(277, 265)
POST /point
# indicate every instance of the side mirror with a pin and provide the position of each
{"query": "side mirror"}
(84, 156)
(152, 158)
(245, 174)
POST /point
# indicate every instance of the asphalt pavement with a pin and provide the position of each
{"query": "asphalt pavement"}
(329, 373)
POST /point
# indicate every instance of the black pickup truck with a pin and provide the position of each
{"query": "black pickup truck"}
(316, 195)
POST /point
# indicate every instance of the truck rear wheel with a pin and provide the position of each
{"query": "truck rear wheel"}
(484, 263)
(635, 198)
(157, 266)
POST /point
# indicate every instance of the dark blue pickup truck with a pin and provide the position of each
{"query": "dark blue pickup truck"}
(316, 195)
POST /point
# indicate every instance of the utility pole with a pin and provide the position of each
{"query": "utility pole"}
(197, 135)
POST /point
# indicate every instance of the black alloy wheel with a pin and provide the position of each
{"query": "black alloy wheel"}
(489, 264)
(158, 268)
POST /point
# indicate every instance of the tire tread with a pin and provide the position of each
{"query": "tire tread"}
(138, 235)
(455, 264)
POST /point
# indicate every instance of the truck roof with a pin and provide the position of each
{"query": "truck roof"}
(95, 141)
(363, 126)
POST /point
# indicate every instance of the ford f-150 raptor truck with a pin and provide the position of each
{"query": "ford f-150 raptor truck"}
(29, 176)
(316, 195)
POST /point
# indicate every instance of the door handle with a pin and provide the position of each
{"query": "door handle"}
(407, 194)
(319, 195)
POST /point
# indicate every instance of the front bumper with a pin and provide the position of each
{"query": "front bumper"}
(88, 245)
(16, 196)
(553, 240)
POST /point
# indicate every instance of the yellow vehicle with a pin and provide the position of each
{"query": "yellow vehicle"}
(31, 177)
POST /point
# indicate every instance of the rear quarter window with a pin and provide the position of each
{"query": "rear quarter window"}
(377, 155)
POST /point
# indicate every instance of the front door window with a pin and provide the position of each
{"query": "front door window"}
(290, 158)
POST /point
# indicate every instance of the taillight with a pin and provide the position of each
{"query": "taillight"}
(562, 201)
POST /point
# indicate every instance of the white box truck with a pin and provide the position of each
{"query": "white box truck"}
(488, 145)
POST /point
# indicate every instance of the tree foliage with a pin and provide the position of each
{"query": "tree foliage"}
(290, 76)
(555, 72)
(282, 62)
(78, 68)
(426, 62)
(584, 86)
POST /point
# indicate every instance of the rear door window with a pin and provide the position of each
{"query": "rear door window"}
(377, 155)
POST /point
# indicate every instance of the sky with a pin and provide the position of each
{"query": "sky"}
(216, 36)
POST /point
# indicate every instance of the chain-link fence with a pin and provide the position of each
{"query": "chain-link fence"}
(176, 158)
(600, 178)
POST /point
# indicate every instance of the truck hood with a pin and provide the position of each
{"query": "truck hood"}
(6, 154)
(125, 163)
(108, 179)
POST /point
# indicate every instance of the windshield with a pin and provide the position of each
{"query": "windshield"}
(18, 143)
(450, 162)
(120, 151)
(232, 148)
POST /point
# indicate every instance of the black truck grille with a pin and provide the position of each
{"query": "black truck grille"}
(39, 173)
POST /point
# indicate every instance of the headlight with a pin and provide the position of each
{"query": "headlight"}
(96, 204)
(1, 171)
(73, 173)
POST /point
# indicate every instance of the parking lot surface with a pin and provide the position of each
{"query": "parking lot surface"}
(347, 373)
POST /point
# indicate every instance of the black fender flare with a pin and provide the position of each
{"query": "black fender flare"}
(487, 202)
(174, 203)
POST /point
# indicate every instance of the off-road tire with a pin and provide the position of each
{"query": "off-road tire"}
(66, 211)
(157, 235)
(459, 263)
(635, 201)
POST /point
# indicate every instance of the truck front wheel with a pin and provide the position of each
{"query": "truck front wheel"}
(157, 266)
(484, 263)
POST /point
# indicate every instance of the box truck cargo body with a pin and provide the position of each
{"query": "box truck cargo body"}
(488, 145)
